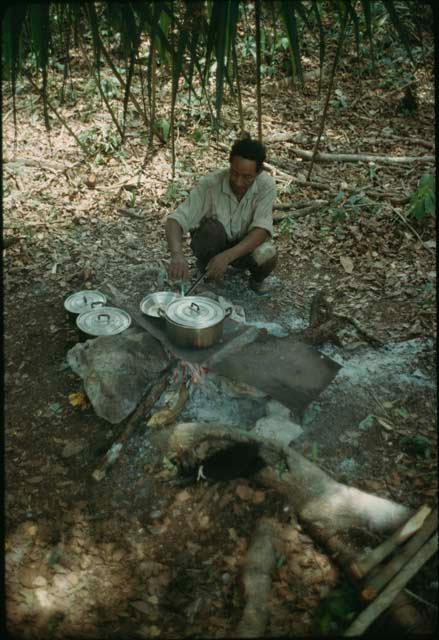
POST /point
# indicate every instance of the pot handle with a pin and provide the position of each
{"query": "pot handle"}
(93, 304)
(161, 312)
(104, 315)
(228, 311)
(195, 307)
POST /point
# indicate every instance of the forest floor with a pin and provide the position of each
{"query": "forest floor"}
(133, 556)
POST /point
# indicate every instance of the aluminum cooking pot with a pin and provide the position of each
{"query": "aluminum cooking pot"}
(194, 321)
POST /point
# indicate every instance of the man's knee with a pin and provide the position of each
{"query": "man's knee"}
(208, 239)
(265, 253)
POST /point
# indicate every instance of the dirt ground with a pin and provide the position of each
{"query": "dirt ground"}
(134, 555)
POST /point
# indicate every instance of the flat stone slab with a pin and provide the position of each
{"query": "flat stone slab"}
(286, 369)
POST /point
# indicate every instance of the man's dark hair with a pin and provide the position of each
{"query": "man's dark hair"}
(250, 150)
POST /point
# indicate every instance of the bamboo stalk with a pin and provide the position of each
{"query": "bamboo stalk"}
(385, 599)
(328, 94)
(60, 118)
(258, 66)
(362, 566)
(238, 87)
(374, 584)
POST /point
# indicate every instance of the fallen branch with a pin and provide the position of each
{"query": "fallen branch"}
(51, 165)
(318, 204)
(360, 157)
(370, 338)
(362, 566)
(422, 143)
(299, 204)
(259, 564)
(387, 596)
(377, 582)
(142, 411)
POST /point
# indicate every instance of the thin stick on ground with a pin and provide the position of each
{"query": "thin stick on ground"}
(259, 565)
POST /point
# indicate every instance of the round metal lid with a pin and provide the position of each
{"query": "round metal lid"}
(151, 303)
(103, 321)
(195, 311)
(82, 301)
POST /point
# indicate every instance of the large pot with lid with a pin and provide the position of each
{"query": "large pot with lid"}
(194, 321)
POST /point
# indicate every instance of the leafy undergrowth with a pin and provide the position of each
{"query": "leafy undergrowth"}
(134, 555)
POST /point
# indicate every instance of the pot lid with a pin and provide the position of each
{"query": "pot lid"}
(103, 321)
(82, 300)
(151, 303)
(195, 311)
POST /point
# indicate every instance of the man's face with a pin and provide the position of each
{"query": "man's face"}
(242, 175)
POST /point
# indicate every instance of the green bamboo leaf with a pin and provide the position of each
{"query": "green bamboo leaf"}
(399, 27)
(287, 8)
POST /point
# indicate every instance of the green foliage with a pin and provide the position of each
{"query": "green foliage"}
(337, 610)
(175, 191)
(287, 226)
(349, 206)
(96, 141)
(418, 444)
(423, 201)
(165, 127)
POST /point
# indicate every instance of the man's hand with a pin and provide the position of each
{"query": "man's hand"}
(177, 269)
(216, 267)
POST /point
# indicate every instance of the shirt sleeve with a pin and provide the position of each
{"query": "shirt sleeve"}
(263, 214)
(190, 212)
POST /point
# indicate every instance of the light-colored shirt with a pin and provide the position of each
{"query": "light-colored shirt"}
(213, 197)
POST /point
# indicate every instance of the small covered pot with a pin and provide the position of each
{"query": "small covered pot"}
(194, 321)
(82, 301)
(103, 321)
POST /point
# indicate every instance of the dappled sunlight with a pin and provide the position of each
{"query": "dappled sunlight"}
(84, 578)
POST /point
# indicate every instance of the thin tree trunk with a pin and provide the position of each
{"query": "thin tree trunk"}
(328, 95)
(97, 77)
(258, 66)
(174, 90)
(153, 63)
(60, 118)
(238, 88)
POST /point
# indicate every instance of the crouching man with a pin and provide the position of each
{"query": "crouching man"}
(229, 215)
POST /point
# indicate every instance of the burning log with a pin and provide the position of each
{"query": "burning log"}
(167, 415)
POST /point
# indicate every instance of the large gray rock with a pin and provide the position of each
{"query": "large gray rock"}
(117, 370)
(277, 424)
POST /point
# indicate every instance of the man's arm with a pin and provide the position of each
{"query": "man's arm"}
(218, 265)
(174, 235)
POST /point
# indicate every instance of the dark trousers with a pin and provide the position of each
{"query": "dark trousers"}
(210, 238)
